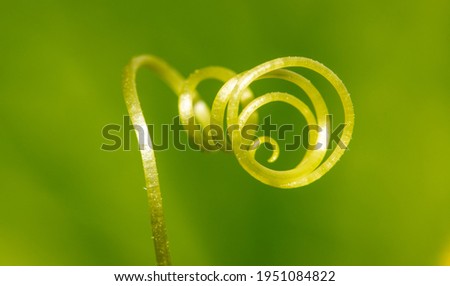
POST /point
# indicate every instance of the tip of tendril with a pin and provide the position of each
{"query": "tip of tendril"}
(274, 157)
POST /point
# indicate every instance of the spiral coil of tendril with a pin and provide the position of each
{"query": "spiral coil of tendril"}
(235, 93)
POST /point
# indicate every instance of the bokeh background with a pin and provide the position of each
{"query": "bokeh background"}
(63, 201)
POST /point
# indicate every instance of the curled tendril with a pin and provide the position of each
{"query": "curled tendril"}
(236, 95)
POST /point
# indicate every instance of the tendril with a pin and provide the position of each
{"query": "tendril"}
(233, 96)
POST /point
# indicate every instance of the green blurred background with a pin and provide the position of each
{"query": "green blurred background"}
(65, 202)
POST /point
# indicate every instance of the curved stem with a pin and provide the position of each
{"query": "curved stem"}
(175, 81)
(235, 93)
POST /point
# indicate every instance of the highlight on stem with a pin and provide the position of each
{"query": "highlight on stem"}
(236, 105)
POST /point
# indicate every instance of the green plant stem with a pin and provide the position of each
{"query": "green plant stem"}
(235, 93)
(175, 81)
